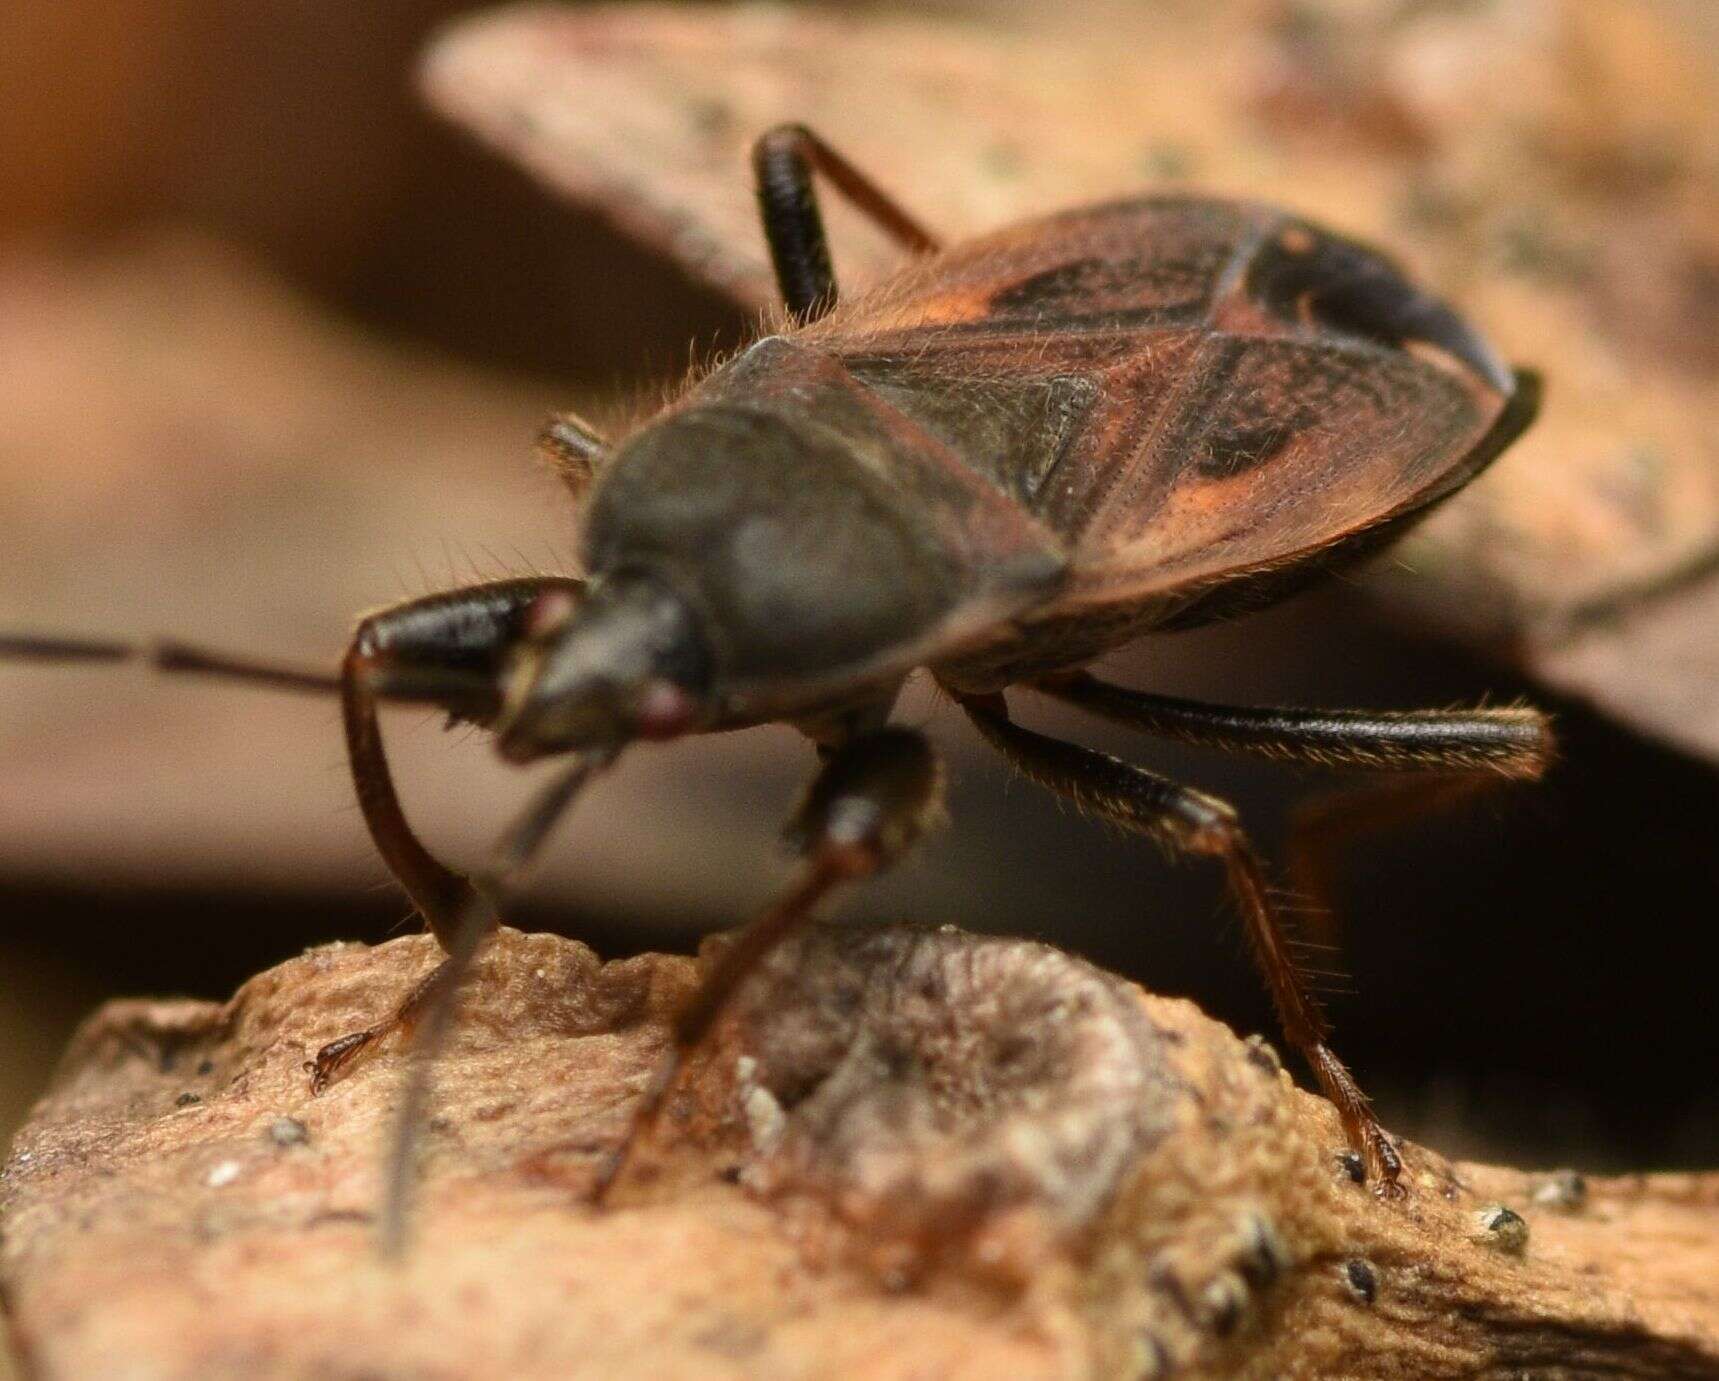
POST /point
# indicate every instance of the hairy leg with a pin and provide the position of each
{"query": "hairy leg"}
(872, 799)
(1460, 753)
(1512, 741)
(783, 162)
(1186, 821)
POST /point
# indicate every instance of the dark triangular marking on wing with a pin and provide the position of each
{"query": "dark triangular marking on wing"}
(1011, 429)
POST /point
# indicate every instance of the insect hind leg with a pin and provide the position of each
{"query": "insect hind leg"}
(1326, 829)
(1512, 742)
(783, 161)
(1435, 760)
(1187, 821)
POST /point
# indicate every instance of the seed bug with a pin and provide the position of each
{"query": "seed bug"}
(1019, 453)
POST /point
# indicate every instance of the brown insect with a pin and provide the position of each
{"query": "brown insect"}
(1018, 453)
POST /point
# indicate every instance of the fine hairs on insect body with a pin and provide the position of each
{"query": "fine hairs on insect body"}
(1026, 450)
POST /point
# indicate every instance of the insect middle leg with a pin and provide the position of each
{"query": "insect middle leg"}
(783, 161)
(873, 798)
(1188, 821)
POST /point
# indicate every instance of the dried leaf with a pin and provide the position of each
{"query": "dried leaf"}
(1550, 167)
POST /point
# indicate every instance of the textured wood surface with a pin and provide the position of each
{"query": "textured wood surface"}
(912, 1153)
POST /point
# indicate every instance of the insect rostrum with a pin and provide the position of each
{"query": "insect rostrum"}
(1019, 453)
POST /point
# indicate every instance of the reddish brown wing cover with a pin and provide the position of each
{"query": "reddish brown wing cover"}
(1557, 178)
(1185, 386)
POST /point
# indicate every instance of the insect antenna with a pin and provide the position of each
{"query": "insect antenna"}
(166, 655)
(512, 853)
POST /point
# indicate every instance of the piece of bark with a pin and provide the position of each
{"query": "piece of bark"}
(1547, 167)
(910, 1153)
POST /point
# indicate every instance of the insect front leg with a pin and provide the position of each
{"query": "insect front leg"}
(783, 162)
(1188, 821)
(447, 650)
(874, 797)
(450, 651)
(431, 1003)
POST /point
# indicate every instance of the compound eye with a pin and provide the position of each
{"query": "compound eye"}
(1312, 279)
(663, 710)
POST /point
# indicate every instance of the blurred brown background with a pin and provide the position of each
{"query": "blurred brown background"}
(273, 344)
